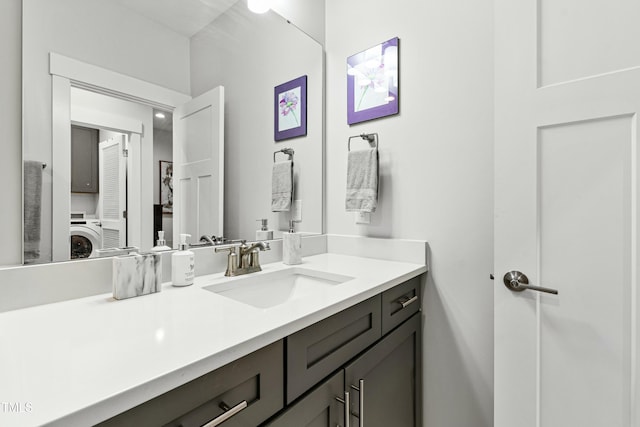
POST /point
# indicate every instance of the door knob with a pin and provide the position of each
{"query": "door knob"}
(518, 282)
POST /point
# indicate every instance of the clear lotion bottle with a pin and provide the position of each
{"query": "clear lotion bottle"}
(182, 264)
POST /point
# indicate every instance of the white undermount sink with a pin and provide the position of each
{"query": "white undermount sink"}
(264, 290)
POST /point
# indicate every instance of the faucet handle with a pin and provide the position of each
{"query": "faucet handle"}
(232, 260)
(231, 249)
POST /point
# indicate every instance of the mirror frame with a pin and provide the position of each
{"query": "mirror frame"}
(67, 73)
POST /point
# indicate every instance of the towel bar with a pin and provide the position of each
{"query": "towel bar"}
(288, 151)
(372, 139)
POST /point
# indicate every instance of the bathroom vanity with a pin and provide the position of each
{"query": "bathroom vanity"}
(188, 356)
(366, 356)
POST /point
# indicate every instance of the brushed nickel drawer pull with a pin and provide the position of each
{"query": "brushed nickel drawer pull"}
(230, 412)
(347, 403)
(404, 303)
(360, 401)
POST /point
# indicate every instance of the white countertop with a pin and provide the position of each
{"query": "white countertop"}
(82, 361)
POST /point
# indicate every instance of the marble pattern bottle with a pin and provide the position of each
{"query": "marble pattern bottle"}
(291, 246)
(137, 274)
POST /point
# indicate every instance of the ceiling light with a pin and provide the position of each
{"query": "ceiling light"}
(258, 6)
(160, 115)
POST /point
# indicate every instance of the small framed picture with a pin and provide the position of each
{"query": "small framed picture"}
(290, 109)
(373, 83)
(166, 186)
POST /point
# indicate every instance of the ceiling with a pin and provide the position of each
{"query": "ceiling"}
(185, 17)
(165, 124)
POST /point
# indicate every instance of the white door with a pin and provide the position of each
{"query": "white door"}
(112, 196)
(566, 212)
(198, 172)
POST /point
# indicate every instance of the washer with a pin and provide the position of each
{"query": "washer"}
(86, 237)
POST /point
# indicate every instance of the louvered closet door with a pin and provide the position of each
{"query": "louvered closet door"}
(113, 193)
(566, 212)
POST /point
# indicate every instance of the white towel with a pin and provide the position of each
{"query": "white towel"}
(32, 209)
(362, 181)
(281, 186)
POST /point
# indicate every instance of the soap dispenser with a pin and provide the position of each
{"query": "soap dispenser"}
(291, 246)
(161, 244)
(182, 263)
(264, 233)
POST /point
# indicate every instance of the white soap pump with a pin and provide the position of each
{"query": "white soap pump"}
(264, 233)
(161, 244)
(182, 263)
(291, 246)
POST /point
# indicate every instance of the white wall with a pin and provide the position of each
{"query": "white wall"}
(103, 34)
(436, 178)
(249, 64)
(308, 15)
(162, 150)
(10, 123)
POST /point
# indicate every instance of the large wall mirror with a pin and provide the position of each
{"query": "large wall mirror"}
(107, 88)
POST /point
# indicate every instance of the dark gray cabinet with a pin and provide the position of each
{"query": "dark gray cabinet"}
(84, 160)
(377, 345)
(316, 351)
(319, 408)
(400, 302)
(251, 388)
(385, 382)
(372, 351)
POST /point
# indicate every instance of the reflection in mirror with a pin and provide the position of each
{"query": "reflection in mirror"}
(171, 57)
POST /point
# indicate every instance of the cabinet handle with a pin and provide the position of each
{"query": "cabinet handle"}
(230, 412)
(347, 403)
(406, 302)
(360, 390)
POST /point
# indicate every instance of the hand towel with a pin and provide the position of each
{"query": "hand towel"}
(281, 186)
(362, 180)
(32, 209)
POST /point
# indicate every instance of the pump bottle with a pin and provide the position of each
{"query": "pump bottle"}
(182, 263)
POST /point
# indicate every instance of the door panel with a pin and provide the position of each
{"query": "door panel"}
(317, 409)
(198, 171)
(585, 254)
(573, 46)
(566, 208)
(112, 199)
(391, 373)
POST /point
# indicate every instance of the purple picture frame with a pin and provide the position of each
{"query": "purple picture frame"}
(373, 85)
(290, 109)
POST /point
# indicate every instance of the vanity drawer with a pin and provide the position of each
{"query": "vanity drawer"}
(256, 379)
(318, 350)
(400, 303)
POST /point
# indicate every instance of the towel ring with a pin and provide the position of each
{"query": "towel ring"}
(371, 138)
(288, 151)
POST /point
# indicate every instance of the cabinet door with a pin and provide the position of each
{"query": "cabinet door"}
(386, 381)
(320, 349)
(247, 391)
(400, 303)
(84, 160)
(320, 408)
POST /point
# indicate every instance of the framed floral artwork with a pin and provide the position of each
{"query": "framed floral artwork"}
(290, 109)
(372, 83)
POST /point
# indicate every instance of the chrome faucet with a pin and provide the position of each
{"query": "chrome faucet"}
(247, 260)
(212, 241)
(207, 239)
